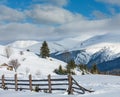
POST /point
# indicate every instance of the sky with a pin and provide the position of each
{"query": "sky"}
(54, 20)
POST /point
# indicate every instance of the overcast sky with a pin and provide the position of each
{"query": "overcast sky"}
(57, 19)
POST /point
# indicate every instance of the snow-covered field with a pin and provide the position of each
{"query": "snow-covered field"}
(103, 85)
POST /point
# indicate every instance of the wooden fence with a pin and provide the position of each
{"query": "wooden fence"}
(49, 84)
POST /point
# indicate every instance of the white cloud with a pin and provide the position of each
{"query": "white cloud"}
(91, 27)
(53, 2)
(113, 2)
(16, 31)
(36, 18)
(112, 10)
(8, 14)
(84, 28)
(99, 15)
(51, 15)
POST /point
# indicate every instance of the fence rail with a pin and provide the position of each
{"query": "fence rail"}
(68, 84)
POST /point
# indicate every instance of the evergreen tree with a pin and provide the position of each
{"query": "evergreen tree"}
(44, 51)
(94, 69)
(81, 67)
(60, 69)
(71, 64)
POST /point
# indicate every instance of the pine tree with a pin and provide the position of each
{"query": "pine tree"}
(60, 69)
(94, 69)
(71, 64)
(44, 51)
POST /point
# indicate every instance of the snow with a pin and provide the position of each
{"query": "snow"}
(90, 44)
(3, 59)
(30, 63)
(96, 43)
(103, 85)
(22, 43)
(111, 46)
(53, 46)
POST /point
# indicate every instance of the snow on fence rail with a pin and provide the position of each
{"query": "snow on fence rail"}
(49, 84)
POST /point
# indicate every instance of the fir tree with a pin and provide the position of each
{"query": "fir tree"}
(94, 69)
(44, 51)
(71, 64)
(60, 69)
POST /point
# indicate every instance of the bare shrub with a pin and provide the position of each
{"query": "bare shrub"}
(14, 63)
(8, 51)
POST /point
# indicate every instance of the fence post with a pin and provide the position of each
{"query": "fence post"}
(49, 83)
(16, 85)
(70, 91)
(3, 82)
(30, 82)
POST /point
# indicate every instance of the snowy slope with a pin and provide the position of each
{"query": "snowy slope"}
(96, 49)
(105, 54)
(23, 43)
(107, 44)
(91, 45)
(100, 48)
(30, 63)
(75, 43)
(53, 46)
(104, 86)
(99, 39)
(35, 46)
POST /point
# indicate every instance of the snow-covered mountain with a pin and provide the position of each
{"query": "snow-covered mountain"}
(34, 46)
(97, 49)
(23, 43)
(99, 41)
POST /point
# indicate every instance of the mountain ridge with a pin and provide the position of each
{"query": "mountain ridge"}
(97, 49)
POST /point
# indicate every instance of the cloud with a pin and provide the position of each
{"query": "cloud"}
(16, 31)
(47, 14)
(8, 14)
(99, 15)
(112, 10)
(59, 3)
(112, 2)
(91, 27)
(47, 22)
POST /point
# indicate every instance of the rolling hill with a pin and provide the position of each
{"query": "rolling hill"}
(97, 49)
